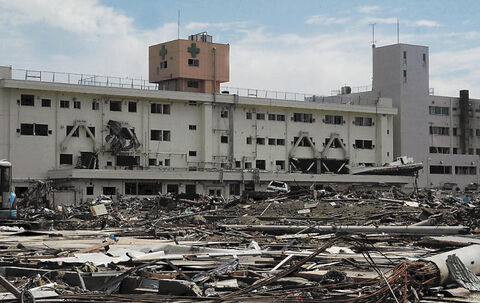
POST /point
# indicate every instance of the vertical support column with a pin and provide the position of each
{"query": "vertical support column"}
(464, 121)
(381, 144)
(231, 133)
(207, 134)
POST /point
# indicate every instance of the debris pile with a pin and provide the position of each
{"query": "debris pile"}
(307, 245)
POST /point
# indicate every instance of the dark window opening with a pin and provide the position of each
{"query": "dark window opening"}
(27, 100)
(116, 106)
(192, 103)
(261, 141)
(440, 170)
(234, 189)
(163, 64)
(260, 164)
(280, 117)
(249, 140)
(77, 104)
(166, 135)
(69, 129)
(303, 142)
(192, 153)
(26, 129)
(41, 130)
(303, 117)
(95, 105)
(190, 189)
(192, 127)
(260, 116)
(271, 117)
(224, 114)
(172, 188)
(192, 83)
(248, 116)
(331, 119)
(156, 108)
(248, 165)
(155, 135)
(167, 162)
(166, 109)
(280, 141)
(280, 164)
(238, 164)
(46, 103)
(152, 162)
(132, 107)
(128, 160)
(89, 190)
(363, 144)
(109, 190)
(64, 104)
(335, 144)
(193, 62)
(66, 159)
(92, 130)
(20, 190)
(224, 139)
(272, 141)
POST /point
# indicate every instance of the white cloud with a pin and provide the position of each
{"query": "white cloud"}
(390, 20)
(426, 23)
(368, 9)
(324, 20)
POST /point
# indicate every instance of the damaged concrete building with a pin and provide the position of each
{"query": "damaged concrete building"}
(96, 135)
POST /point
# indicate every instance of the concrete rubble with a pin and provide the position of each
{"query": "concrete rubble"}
(307, 245)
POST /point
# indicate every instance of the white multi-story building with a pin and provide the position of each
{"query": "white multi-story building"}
(91, 138)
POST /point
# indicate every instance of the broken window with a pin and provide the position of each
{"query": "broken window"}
(130, 188)
(249, 140)
(92, 130)
(238, 164)
(192, 153)
(280, 141)
(166, 135)
(465, 170)
(224, 114)
(224, 139)
(261, 141)
(27, 100)
(271, 117)
(260, 164)
(149, 188)
(152, 162)
(155, 135)
(439, 150)
(192, 127)
(260, 116)
(248, 116)
(303, 117)
(163, 64)
(46, 103)
(172, 188)
(234, 189)
(156, 108)
(109, 190)
(77, 104)
(303, 142)
(336, 143)
(190, 189)
(455, 151)
(280, 164)
(280, 117)
(167, 162)
(363, 144)
(332, 119)
(89, 190)
(41, 129)
(272, 141)
(193, 62)
(166, 109)
(192, 83)
(64, 104)
(248, 165)
(442, 131)
(128, 160)
(193, 168)
(404, 75)
(66, 159)
(132, 107)
(116, 106)
(363, 121)
(95, 105)
(69, 129)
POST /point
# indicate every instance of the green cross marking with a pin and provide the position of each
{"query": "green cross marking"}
(194, 50)
(163, 52)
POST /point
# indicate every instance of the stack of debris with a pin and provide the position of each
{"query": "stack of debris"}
(318, 245)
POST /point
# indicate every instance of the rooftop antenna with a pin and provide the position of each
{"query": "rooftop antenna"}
(178, 25)
(398, 31)
(373, 34)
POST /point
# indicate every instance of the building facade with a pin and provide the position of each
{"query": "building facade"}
(98, 139)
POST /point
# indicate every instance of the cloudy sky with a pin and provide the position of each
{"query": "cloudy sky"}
(300, 46)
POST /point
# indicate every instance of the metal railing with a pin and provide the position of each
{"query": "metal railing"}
(82, 79)
(267, 94)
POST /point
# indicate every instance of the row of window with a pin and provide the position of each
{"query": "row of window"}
(308, 118)
(439, 110)
(160, 135)
(271, 141)
(67, 159)
(445, 131)
(191, 62)
(446, 150)
(115, 106)
(447, 170)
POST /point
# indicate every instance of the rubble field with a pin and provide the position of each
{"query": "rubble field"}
(306, 245)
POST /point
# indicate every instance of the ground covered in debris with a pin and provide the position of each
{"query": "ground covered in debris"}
(318, 245)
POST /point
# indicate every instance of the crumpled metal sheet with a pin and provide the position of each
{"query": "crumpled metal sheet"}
(461, 274)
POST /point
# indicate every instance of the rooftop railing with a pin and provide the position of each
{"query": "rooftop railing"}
(119, 82)
(82, 79)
